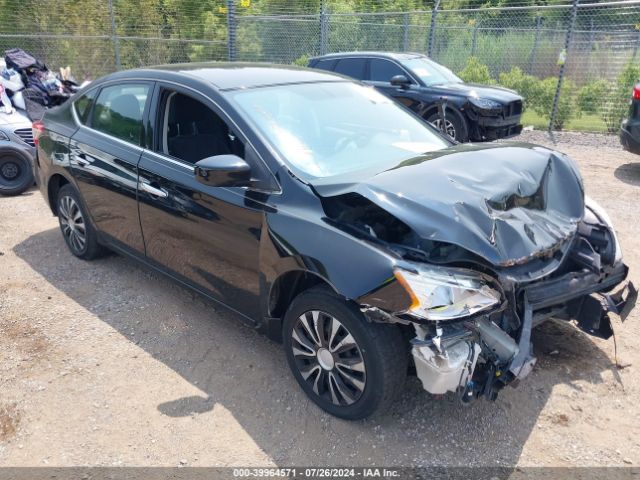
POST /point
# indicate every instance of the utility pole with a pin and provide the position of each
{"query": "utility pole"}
(114, 35)
(563, 63)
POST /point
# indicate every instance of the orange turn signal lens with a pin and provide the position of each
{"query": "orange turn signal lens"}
(415, 303)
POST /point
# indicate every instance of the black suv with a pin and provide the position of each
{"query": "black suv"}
(474, 112)
(630, 130)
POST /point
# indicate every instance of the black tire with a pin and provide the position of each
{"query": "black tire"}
(16, 174)
(77, 230)
(458, 123)
(382, 351)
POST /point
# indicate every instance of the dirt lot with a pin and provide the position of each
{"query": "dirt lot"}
(107, 363)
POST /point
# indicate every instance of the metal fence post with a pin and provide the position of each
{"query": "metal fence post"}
(474, 39)
(534, 50)
(405, 31)
(114, 35)
(231, 30)
(567, 45)
(432, 29)
(637, 45)
(323, 28)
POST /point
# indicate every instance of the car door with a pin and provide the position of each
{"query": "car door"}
(208, 237)
(381, 71)
(104, 155)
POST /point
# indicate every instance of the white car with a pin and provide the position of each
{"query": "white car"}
(17, 153)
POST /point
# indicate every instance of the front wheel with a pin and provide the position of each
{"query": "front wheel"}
(16, 174)
(348, 366)
(455, 125)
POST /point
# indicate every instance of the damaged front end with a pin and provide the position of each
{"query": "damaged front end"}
(473, 330)
(522, 248)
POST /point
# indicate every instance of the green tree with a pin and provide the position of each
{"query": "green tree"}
(476, 72)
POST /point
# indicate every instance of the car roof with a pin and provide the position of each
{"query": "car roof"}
(236, 75)
(392, 55)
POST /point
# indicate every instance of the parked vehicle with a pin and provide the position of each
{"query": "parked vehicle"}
(474, 112)
(17, 151)
(336, 221)
(630, 129)
(27, 89)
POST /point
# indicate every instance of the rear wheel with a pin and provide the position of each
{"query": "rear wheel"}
(348, 366)
(77, 230)
(16, 174)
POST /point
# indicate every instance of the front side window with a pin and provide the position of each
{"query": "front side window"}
(191, 131)
(118, 111)
(384, 70)
(83, 104)
(333, 128)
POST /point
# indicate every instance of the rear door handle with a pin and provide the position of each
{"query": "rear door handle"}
(154, 191)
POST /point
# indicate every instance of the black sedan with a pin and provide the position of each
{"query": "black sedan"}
(472, 112)
(336, 221)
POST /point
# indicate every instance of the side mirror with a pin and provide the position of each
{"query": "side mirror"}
(400, 81)
(223, 171)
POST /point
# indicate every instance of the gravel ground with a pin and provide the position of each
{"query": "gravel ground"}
(106, 363)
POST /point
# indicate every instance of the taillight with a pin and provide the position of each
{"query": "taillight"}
(38, 129)
(636, 92)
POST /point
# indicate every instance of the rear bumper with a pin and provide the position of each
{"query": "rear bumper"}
(630, 136)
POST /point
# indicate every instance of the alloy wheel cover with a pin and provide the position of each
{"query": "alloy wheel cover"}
(328, 358)
(72, 223)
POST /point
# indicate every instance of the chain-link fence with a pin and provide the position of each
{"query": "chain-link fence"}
(574, 61)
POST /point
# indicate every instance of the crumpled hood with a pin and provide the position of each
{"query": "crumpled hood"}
(505, 203)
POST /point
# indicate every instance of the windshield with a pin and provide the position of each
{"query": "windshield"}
(333, 128)
(430, 72)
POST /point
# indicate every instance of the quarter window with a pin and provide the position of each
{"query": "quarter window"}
(325, 64)
(118, 111)
(384, 70)
(82, 106)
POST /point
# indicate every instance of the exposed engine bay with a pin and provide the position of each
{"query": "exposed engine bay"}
(514, 260)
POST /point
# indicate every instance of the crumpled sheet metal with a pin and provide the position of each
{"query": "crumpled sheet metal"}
(507, 204)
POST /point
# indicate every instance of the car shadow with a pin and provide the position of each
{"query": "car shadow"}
(247, 374)
(629, 173)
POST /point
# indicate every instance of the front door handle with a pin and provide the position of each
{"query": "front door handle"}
(81, 160)
(156, 192)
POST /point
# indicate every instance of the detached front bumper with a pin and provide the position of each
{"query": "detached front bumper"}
(477, 357)
(572, 296)
(493, 127)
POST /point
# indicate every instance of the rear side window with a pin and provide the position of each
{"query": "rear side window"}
(118, 111)
(82, 106)
(352, 67)
(384, 70)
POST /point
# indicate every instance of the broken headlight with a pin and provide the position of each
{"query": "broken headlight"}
(439, 293)
(603, 217)
(485, 103)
